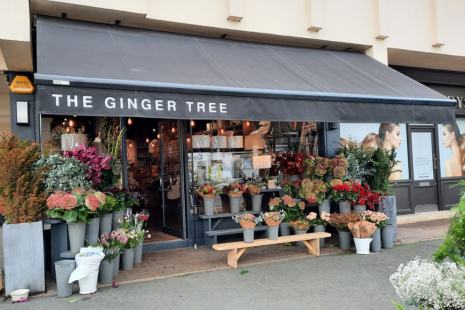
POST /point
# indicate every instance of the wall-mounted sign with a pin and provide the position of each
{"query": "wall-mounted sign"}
(22, 85)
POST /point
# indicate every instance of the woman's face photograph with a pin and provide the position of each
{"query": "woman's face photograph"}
(447, 137)
(394, 137)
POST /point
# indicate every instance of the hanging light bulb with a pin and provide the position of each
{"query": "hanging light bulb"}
(192, 123)
(248, 123)
(129, 121)
(130, 145)
(158, 136)
(222, 130)
(71, 123)
(172, 129)
(67, 129)
(188, 139)
(74, 116)
(154, 130)
(147, 140)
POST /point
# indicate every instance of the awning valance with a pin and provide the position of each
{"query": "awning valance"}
(96, 69)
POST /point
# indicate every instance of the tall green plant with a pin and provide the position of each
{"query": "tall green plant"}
(114, 141)
(383, 162)
(360, 161)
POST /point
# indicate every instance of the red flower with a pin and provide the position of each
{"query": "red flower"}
(210, 191)
(124, 189)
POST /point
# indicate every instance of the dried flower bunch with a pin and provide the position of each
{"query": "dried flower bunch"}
(291, 208)
(273, 218)
(378, 218)
(315, 220)
(341, 221)
(208, 191)
(291, 188)
(255, 187)
(300, 225)
(313, 190)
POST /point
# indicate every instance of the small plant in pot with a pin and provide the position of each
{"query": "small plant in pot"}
(235, 191)
(291, 188)
(366, 198)
(248, 222)
(291, 208)
(337, 167)
(272, 220)
(314, 191)
(380, 220)
(112, 245)
(129, 231)
(291, 163)
(319, 223)
(300, 226)
(208, 193)
(341, 223)
(343, 194)
(316, 167)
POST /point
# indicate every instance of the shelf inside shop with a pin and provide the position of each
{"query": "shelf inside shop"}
(205, 132)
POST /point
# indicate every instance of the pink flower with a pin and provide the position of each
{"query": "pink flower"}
(92, 202)
(311, 216)
(289, 202)
(68, 202)
(54, 200)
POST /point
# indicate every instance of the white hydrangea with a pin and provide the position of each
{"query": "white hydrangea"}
(432, 285)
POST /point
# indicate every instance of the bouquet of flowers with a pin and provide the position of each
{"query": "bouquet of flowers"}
(208, 191)
(337, 166)
(234, 189)
(254, 187)
(344, 192)
(300, 225)
(313, 190)
(128, 232)
(316, 167)
(314, 220)
(365, 196)
(291, 163)
(341, 221)
(78, 206)
(124, 198)
(140, 221)
(273, 218)
(289, 206)
(247, 220)
(112, 244)
(291, 188)
(378, 218)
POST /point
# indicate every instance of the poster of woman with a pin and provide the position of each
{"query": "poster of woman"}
(452, 149)
(381, 135)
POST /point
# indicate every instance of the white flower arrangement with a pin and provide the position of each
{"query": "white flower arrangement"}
(430, 285)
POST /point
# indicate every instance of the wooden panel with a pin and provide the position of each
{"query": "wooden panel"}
(450, 196)
(403, 197)
(260, 242)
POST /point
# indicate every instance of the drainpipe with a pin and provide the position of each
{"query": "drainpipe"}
(192, 189)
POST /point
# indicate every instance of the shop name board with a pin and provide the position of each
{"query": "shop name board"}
(144, 104)
(460, 101)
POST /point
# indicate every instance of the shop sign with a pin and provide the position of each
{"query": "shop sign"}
(460, 101)
(22, 85)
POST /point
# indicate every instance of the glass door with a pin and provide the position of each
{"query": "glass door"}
(173, 204)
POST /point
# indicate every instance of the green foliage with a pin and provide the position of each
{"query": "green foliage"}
(108, 206)
(383, 162)
(454, 243)
(244, 271)
(65, 174)
(360, 162)
(399, 307)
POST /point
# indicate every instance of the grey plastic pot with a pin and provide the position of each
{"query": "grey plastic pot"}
(387, 235)
(127, 259)
(138, 253)
(375, 245)
(63, 270)
(329, 178)
(209, 205)
(344, 239)
(105, 224)
(360, 208)
(344, 206)
(235, 203)
(257, 202)
(106, 269)
(284, 229)
(300, 244)
(77, 235)
(325, 206)
(273, 232)
(92, 231)
(116, 215)
(116, 265)
(320, 228)
(249, 235)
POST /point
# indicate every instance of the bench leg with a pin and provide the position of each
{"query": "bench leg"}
(232, 258)
(313, 246)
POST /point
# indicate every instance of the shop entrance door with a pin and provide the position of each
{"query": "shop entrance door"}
(172, 178)
(425, 172)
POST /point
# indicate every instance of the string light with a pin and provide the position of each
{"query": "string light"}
(158, 136)
(192, 123)
(130, 145)
(74, 115)
(71, 123)
(172, 129)
(129, 121)
(147, 140)
(67, 129)
(248, 123)
(222, 130)
(188, 139)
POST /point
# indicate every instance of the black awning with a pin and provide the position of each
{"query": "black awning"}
(96, 69)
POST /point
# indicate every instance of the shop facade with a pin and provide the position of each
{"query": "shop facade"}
(183, 85)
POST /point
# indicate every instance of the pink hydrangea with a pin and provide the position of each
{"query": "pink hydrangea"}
(311, 216)
(92, 202)
(302, 205)
(325, 216)
(68, 202)
(275, 202)
(101, 197)
(286, 197)
(311, 198)
(54, 200)
(289, 202)
(339, 172)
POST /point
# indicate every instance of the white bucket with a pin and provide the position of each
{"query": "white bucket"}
(18, 294)
(362, 245)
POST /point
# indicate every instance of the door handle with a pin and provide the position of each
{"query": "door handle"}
(171, 183)
(435, 162)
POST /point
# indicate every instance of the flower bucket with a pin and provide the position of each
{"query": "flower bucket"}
(92, 231)
(362, 245)
(344, 239)
(127, 261)
(257, 202)
(116, 215)
(209, 205)
(360, 208)
(273, 232)
(235, 204)
(77, 235)
(375, 245)
(105, 224)
(116, 265)
(329, 178)
(63, 270)
(344, 206)
(387, 235)
(320, 228)
(18, 294)
(248, 235)
(138, 253)
(325, 206)
(285, 229)
(106, 271)
(300, 244)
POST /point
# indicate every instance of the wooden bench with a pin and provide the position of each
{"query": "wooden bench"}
(311, 240)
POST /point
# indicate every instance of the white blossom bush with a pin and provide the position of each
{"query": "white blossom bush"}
(431, 285)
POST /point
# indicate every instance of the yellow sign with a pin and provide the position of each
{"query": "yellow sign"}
(22, 85)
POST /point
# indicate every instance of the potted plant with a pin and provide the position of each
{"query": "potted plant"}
(341, 223)
(343, 194)
(208, 193)
(93, 228)
(300, 227)
(22, 200)
(292, 188)
(362, 231)
(253, 189)
(316, 167)
(248, 222)
(104, 212)
(366, 198)
(380, 220)
(140, 221)
(128, 231)
(235, 191)
(272, 220)
(111, 245)
(359, 162)
(292, 209)
(313, 191)
(319, 224)
(291, 164)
